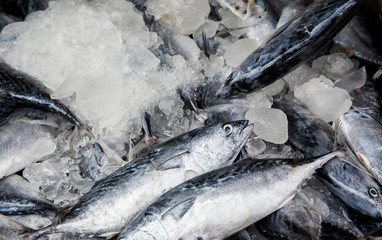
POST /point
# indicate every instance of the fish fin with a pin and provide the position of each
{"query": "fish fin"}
(178, 211)
(171, 163)
(61, 213)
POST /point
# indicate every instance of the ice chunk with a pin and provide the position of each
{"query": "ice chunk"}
(259, 100)
(214, 66)
(333, 66)
(185, 15)
(97, 56)
(275, 88)
(323, 99)
(270, 124)
(255, 146)
(300, 76)
(239, 51)
(352, 80)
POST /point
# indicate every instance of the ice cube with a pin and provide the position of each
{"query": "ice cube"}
(275, 88)
(323, 99)
(270, 124)
(300, 76)
(255, 146)
(259, 100)
(185, 15)
(333, 66)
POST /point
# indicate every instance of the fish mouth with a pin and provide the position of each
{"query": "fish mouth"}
(246, 130)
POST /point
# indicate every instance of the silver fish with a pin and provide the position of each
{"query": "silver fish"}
(116, 199)
(353, 186)
(20, 89)
(18, 196)
(21, 134)
(224, 201)
(10, 229)
(290, 46)
(362, 134)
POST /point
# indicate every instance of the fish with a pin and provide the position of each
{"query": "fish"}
(367, 99)
(303, 218)
(22, 90)
(247, 191)
(23, 137)
(362, 135)
(10, 229)
(353, 186)
(290, 46)
(356, 40)
(117, 198)
(17, 196)
(307, 132)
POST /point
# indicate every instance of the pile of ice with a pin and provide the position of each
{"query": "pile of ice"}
(97, 57)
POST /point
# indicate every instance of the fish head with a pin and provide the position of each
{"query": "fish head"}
(221, 143)
(354, 186)
(145, 226)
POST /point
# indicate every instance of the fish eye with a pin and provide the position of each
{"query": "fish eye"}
(228, 129)
(373, 192)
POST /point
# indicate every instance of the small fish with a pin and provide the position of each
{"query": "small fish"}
(22, 90)
(17, 196)
(24, 134)
(308, 133)
(290, 46)
(362, 135)
(353, 186)
(116, 199)
(246, 191)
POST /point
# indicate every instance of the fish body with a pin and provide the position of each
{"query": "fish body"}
(290, 46)
(18, 197)
(20, 89)
(217, 204)
(116, 199)
(307, 132)
(362, 134)
(353, 186)
(22, 137)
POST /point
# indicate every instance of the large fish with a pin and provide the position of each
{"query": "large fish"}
(20, 89)
(224, 201)
(116, 199)
(290, 46)
(26, 136)
(353, 186)
(17, 196)
(362, 134)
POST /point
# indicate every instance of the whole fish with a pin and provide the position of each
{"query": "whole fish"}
(353, 186)
(219, 203)
(20, 89)
(290, 46)
(362, 135)
(116, 199)
(307, 132)
(26, 136)
(18, 197)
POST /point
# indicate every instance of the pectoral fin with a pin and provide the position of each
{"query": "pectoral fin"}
(178, 211)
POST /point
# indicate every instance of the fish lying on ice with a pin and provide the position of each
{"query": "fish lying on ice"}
(116, 199)
(290, 46)
(221, 202)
